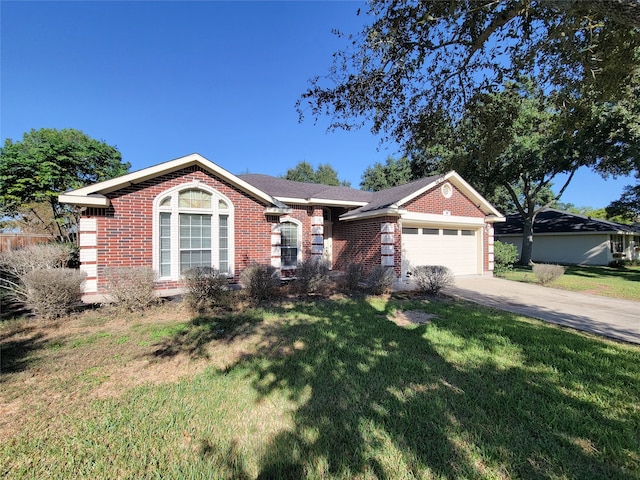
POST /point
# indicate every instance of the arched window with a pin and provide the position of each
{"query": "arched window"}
(193, 228)
(289, 244)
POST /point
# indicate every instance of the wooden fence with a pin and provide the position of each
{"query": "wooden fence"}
(13, 241)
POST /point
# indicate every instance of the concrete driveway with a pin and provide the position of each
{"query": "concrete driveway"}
(609, 317)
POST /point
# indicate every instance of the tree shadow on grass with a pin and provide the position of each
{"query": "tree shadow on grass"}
(18, 347)
(623, 273)
(195, 339)
(470, 395)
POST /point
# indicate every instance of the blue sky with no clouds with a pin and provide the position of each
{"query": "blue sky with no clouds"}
(160, 80)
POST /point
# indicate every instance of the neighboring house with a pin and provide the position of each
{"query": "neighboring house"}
(568, 238)
(191, 212)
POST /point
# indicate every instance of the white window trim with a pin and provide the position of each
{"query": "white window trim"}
(298, 225)
(175, 210)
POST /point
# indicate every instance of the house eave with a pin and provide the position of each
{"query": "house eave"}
(91, 201)
(383, 212)
(321, 201)
(148, 173)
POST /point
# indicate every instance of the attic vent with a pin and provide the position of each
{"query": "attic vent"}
(273, 219)
(447, 190)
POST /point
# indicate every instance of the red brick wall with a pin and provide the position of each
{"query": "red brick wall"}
(360, 242)
(433, 201)
(125, 229)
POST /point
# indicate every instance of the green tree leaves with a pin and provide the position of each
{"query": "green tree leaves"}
(324, 174)
(47, 162)
(393, 172)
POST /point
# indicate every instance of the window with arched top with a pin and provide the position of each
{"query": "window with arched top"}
(192, 228)
(289, 244)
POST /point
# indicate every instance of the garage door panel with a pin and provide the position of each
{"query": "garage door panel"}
(455, 248)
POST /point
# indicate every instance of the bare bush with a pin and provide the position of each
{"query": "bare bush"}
(36, 257)
(380, 279)
(15, 264)
(260, 281)
(131, 288)
(206, 288)
(432, 278)
(547, 273)
(354, 274)
(312, 276)
(52, 292)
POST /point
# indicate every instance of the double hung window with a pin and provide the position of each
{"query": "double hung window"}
(289, 248)
(193, 230)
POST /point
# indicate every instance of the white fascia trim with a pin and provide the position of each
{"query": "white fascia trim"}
(98, 201)
(464, 187)
(441, 219)
(320, 201)
(374, 213)
(168, 167)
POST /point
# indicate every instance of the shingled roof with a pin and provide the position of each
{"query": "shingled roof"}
(282, 188)
(551, 220)
(366, 203)
(392, 196)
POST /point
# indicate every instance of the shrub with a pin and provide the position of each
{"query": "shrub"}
(206, 288)
(622, 263)
(432, 278)
(380, 279)
(131, 288)
(504, 256)
(260, 281)
(546, 273)
(52, 292)
(16, 264)
(353, 275)
(312, 276)
(36, 257)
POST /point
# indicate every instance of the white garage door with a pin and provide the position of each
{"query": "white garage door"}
(456, 248)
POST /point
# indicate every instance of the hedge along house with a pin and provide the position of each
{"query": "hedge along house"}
(190, 212)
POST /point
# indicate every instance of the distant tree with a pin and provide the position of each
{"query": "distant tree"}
(324, 174)
(393, 172)
(627, 207)
(45, 163)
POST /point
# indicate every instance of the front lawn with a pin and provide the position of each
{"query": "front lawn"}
(612, 282)
(317, 389)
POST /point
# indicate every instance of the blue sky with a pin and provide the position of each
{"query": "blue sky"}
(160, 80)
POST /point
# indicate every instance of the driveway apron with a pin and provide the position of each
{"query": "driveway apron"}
(609, 317)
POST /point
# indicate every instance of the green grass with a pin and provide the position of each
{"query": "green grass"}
(333, 389)
(612, 282)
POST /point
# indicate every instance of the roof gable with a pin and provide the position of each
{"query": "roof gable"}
(392, 199)
(95, 195)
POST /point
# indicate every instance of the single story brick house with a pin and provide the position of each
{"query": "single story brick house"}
(568, 238)
(190, 212)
